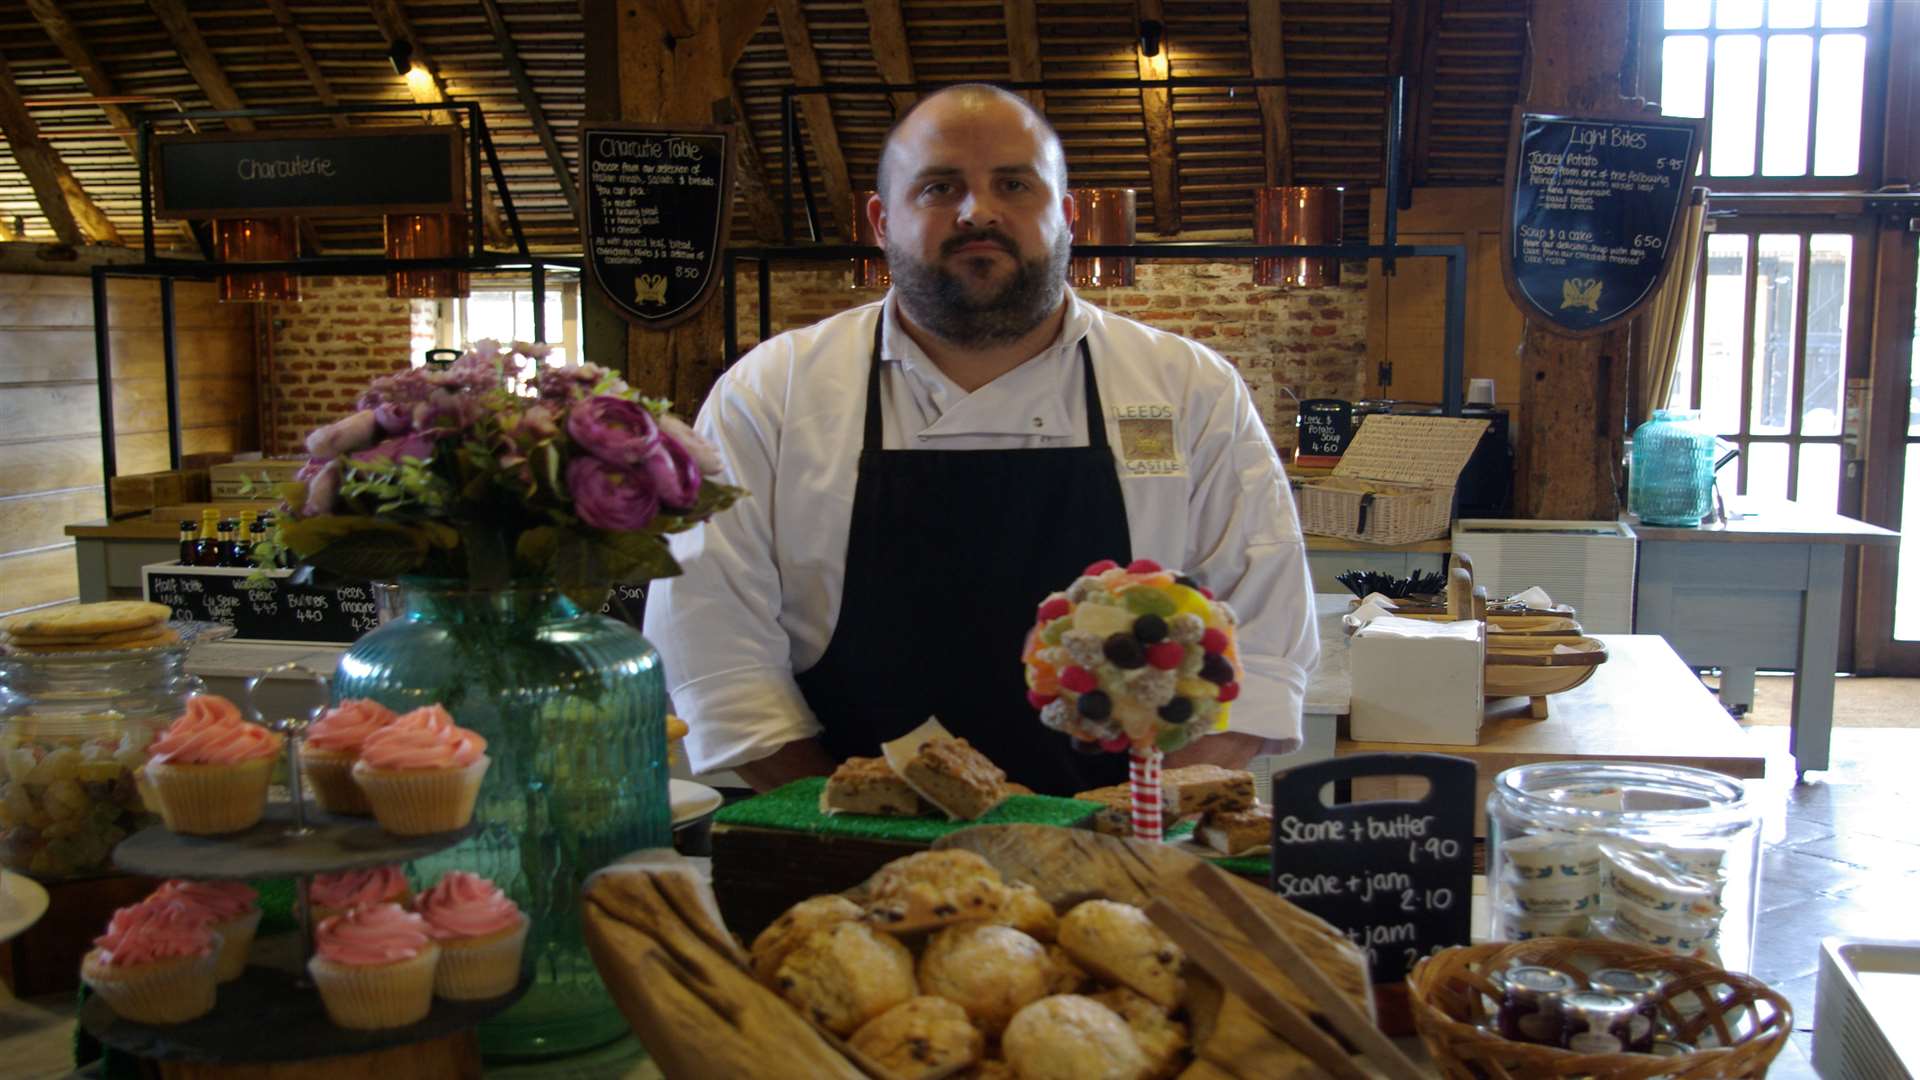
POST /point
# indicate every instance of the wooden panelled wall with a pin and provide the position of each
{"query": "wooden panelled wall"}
(50, 411)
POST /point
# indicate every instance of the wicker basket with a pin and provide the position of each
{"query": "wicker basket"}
(1394, 484)
(1452, 995)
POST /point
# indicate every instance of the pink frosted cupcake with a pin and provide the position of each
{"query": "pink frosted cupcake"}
(421, 773)
(374, 967)
(233, 915)
(333, 745)
(156, 964)
(337, 894)
(210, 769)
(481, 934)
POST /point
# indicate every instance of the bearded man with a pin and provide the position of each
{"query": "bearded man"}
(926, 469)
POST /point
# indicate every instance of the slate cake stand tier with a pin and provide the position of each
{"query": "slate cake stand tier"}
(271, 1017)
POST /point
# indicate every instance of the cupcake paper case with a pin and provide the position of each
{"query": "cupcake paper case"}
(210, 769)
(481, 935)
(156, 964)
(333, 745)
(374, 967)
(420, 777)
(233, 914)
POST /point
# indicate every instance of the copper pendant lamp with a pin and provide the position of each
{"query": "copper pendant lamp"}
(244, 240)
(1102, 216)
(1297, 215)
(426, 236)
(868, 273)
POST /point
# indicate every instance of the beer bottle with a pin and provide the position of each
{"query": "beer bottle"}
(229, 542)
(189, 541)
(206, 551)
(256, 535)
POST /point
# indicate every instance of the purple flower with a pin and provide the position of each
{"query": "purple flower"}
(533, 350)
(343, 436)
(675, 474)
(703, 451)
(607, 497)
(564, 385)
(615, 430)
(322, 488)
(448, 410)
(535, 424)
(419, 446)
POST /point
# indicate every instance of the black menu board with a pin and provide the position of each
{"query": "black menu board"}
(1395, 876)
(1326, 426)
(273, 609)
(1593, 206)
(656, 215)
(327, 172)
(626, 602)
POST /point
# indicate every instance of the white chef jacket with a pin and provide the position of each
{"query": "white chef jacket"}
(1204, 492)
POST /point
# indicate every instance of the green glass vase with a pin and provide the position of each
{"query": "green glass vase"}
(573, 707)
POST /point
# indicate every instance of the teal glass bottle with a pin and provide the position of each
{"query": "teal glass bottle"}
(573, 707)
(1671, 478)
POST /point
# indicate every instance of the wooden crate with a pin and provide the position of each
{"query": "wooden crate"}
(141, 492)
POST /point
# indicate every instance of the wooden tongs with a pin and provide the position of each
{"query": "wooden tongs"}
(1287, 1021)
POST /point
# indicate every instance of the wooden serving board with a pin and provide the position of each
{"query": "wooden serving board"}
(682, 982)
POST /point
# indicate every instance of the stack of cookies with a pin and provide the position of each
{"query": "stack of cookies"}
(943, 775)
(945, 970)
(109, 626)
(1232, 820)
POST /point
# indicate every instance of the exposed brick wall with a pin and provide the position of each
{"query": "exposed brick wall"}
(327, 347)
(1310, 341)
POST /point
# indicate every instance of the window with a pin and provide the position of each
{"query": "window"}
(506, 315)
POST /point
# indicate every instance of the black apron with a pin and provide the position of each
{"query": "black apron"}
(949, 555)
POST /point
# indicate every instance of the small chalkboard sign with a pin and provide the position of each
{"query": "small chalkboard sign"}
(655, 215)
(271, 610)
(626, 602)
(325, 172)
(1326, 426)
(1395, 876)
(1593, 207)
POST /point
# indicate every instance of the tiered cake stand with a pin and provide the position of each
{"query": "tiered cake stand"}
(270, 1021)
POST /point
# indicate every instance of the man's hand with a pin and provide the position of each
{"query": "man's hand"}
(791, 762)
(1228, 749)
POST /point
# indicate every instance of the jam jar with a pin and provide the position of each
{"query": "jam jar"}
(1593, 1022)
(1640, 988)
(1530, 1012)
(74, 731)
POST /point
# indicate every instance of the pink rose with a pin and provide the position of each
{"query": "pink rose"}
(703, 451)
(615, 430)
(419, 446)
(607, 497)
(343, 436)
(322, 489)
(675, 475)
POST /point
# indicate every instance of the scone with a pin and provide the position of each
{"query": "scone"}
(1237, 832)
(1063, 975)
(1205, 788)
(989, 1069)
(991, 971)
(845, 975)
(1119, 943)
(786, 933)
(865, 785)
(934, 888)
(924, 1038)
(1028, 912)
(1069, 1037)
(1159, 1036)
(955, 777)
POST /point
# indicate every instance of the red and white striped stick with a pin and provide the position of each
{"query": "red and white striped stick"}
(1143, 773)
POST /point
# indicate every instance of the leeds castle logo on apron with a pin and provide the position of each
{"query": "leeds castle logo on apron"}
(1148, 443)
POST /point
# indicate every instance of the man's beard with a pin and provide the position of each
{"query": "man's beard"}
(952, 309)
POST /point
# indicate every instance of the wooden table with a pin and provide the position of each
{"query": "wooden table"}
(1644, 704)
(1762, 590)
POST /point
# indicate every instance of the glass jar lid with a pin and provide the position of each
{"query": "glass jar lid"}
(1580, 796)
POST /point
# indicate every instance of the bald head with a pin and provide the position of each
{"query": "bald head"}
(920, 130)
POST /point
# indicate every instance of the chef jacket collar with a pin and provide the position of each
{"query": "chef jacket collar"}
(1029, 400)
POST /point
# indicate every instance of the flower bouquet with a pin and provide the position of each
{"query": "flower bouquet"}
(468, 473)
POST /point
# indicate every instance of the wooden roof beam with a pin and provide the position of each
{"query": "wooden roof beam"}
(1417, 34)
(818, 112)
(194, 53)
(1266, 44)
(290, 29)
(1156, 109)
(530, 101)
(74, 217)
(1023, 47)
(750, 177)
(890, 51)
(739, 21)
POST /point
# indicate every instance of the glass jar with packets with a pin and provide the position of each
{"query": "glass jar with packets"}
(1656, 855)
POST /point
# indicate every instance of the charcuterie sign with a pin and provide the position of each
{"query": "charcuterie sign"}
(656, 207)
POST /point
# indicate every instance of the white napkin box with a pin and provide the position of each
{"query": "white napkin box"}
(1417, 681)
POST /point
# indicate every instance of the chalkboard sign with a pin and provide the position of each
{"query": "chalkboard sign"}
(1395, 876)
(656, 214)
(329, 172)
(1326, 426)
(274, 611)
(625, 602)
(1593, 208)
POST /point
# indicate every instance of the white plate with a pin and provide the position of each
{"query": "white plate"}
(22, 902)
(691, 801)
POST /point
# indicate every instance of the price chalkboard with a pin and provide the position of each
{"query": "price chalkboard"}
(273, 610)
(1593, 209)
(655, 216)
(1326, 426)
(1395, 876)
(330, 172)
(626, 602)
